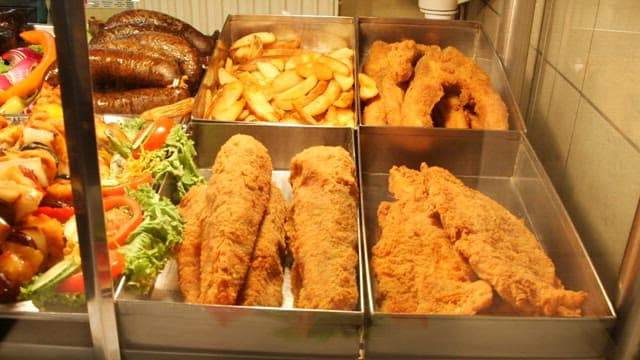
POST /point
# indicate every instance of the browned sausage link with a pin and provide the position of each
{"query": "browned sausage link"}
(136, 101)
(121, 69)
(202, 42)
(115, 32)
(163, 45)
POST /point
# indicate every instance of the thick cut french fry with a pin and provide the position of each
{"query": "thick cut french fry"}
(268, 70)
(285, 80)
(345, 81)
(322, 71)
(225, 97)
(345, 117)
(280, 53)
(322, 102)
(264, 37)
(225, 77)
(304, 117)
(305, 57)
(368, 88)
(257, 101)
(317, 90)
(299, 90)
(228, 65)
(345, 100)
(335, 65)
(229, 113)
(342, 53)
(248, 52)
(243, 115)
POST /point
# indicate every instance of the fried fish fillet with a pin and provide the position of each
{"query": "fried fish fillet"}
(263, 285)
(322, 229)
(192, 207)
(239, 188)
(416, 268)
(500, 248)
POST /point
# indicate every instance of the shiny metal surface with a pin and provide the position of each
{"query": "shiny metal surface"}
(73, 64)
(512, 43)
(467, 36)
(503, 166)
(165, 324)
(627, 333)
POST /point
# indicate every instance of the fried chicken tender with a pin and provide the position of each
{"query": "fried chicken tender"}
(390, 65)
(500, 248)
(263, 285)
(322, 229)
(239, 189)
(193, 209)
(416, 268)
(441, 73)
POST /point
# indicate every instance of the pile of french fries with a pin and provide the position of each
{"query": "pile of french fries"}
(275, 80)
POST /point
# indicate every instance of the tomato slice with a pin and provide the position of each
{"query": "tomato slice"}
(122, 232)
(75, 282)
(61, 214)
(153, 136)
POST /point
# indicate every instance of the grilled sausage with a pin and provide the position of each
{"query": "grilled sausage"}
(136, 101)
(163, 45)
(202, 42)
(116, 68)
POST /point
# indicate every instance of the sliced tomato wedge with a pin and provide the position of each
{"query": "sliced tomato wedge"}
(133, 184)
(120, 230)
(75, 282)
(153, 136)
(61, 214)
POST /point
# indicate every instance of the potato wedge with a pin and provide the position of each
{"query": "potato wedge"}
(335, 65)
(322, 71)
(368, 88)
(268, 70)
(317, 90)
(299, 90)
(257, 101)
(345, 117)
(284, 44)
(226, 96)
(305, 57)
(225, 77)
(285, 80)
(264, 37)
(229, 113)
(320, 104)
(345, 81)
(345, 100)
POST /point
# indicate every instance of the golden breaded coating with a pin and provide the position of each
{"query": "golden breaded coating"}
(323, 230)
(263, 285)
(239, 187)
(416, 268)
(500, 248)
(193, 209)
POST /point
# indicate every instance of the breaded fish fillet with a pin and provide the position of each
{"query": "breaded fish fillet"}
(192, 208)
(322, 229)
(239, 188)
(500, 248)
(263, 285)
(417, 270)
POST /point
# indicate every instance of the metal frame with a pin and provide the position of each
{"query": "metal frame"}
(75, 80)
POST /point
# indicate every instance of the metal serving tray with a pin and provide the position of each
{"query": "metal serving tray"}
(466, 36)
(503, 166)
(316, 33)
(165, 324)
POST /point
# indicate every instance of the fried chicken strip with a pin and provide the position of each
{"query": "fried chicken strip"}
(192, 207)
(263, 285)
(322, 229)
(239, 188)
(500, 248)
(390, 65)
(415, 266)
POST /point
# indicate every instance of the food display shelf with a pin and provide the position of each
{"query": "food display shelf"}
(165, 322)
(466, 36)
(503, 166)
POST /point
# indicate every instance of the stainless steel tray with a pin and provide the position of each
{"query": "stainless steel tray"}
(316, 33)
(165, 323)
(503, 166)
(467, 36)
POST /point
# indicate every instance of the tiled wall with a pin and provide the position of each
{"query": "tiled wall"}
(583, 113)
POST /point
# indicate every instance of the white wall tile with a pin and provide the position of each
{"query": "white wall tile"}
(612, 79)
(601, 190)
